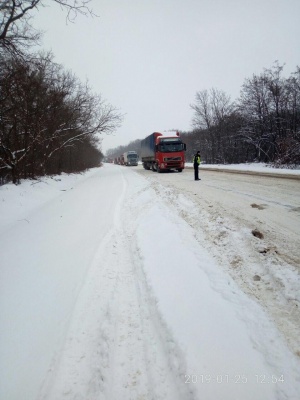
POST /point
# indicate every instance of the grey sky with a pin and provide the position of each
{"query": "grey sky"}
(149, 57)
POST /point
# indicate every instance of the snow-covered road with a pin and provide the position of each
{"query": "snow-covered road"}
(121, 284)
(226, 208)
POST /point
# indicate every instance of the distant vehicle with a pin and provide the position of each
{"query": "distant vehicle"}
(163, 153)
(130, 158)
(121, 160)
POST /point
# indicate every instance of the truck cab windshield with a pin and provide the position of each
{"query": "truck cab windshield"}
(170, 146)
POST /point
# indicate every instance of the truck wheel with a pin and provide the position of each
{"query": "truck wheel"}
(179, 170)
(158, 169)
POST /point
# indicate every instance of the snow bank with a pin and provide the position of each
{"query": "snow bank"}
(250, 167)
(50, 232)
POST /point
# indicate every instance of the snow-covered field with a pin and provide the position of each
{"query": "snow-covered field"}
(111, 289)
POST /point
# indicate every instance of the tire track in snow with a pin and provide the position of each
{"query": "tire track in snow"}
(141, 361)
(145, 362)
(242, 257)
(117, 346)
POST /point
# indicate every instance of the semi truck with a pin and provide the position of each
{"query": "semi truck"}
(163, 153)
(121, 160)
(130, 158)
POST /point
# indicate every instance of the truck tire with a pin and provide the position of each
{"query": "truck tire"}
(179, 170)
(158, 168)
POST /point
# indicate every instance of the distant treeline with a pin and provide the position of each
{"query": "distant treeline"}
(49, 121)
(263, 125)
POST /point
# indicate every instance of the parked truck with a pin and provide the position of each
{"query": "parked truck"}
(121, 159)
(130, 158)
(163, 153)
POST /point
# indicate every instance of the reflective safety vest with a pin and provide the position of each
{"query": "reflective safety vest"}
(196, 160)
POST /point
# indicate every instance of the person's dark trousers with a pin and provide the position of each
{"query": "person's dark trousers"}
(196, 169)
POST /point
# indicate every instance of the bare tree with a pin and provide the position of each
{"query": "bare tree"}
(203, 116)
(211, 112)
(16, 31)
(269, 106)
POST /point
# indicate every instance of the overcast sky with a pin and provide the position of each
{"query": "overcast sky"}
(148, 58)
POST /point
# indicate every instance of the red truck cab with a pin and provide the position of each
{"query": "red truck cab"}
(163, 153)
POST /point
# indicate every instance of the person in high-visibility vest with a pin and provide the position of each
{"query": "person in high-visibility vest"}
(196, 161)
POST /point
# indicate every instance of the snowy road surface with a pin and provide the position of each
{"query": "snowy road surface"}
(227, 208)
(125, 284)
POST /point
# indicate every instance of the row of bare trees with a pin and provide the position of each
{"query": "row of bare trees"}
(262, 125)
(46, 117)
(49, 121)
